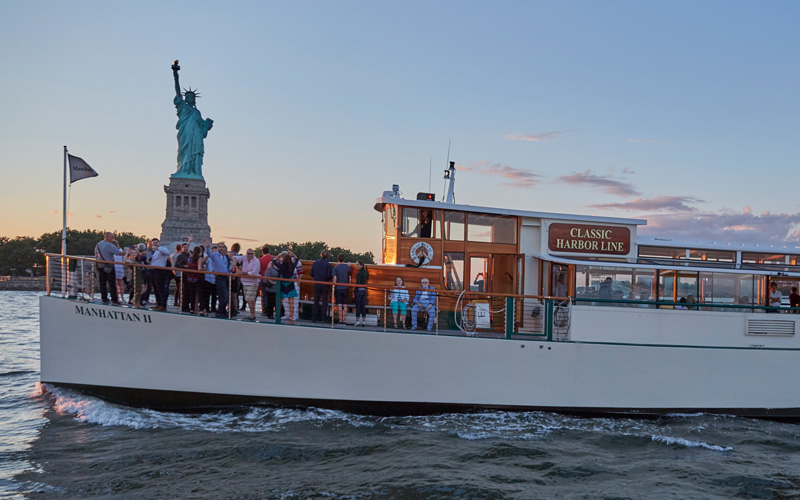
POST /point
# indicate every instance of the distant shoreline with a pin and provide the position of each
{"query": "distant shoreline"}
(23, 284)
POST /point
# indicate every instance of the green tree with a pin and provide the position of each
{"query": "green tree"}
(83, 242)
(19, 255)
(310, 250)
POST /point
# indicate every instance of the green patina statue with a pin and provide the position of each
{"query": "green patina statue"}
(192, 129)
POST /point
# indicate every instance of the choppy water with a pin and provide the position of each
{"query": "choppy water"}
(62, 444)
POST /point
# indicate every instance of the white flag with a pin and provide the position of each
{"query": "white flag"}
(79, 169)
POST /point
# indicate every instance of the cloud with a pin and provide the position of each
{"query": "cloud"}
(112, 211)
(238, 238)
(669, 203)
(607, 184)
(521, 179)
(726, 225)
(540, 137)
(98, 216)
(54, 212)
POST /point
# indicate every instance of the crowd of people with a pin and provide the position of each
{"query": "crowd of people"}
(198, 290)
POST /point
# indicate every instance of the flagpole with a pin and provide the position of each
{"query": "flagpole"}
(64, 228)
(64, 210)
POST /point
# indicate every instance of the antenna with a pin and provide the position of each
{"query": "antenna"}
(444, 189)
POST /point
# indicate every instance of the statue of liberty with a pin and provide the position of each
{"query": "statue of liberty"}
(192, 129)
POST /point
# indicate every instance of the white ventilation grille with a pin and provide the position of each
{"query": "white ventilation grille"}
(769, 327)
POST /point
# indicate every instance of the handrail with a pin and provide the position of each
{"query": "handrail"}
(687, 305)
(439, 292)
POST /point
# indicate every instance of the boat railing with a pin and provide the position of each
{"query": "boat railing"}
(687, 306)
(471, 313)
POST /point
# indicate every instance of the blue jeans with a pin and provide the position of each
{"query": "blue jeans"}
(419, 308)
(222, 296)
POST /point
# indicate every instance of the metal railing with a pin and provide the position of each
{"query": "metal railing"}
(689, 306)
(521, 317)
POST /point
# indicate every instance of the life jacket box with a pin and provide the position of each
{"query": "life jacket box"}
(483, 317)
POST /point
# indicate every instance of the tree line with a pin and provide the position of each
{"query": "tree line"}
(24, 255)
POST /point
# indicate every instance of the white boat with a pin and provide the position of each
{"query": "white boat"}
(537, 311)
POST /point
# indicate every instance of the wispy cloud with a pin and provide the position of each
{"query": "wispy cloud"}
(112, 211)
(605, 183)
(520, 179)
(726, 225)
(98, 216)
(540, 137)
(669, 203)
(238, 238)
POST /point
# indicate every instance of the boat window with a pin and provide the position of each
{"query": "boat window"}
(712, 255)
(718, 288)
(390, 220)
(763, 258)
(419, 223)
(608, 283)
(662, 252)
(491, 228)
(454, 225)
(453, 270)
(479, 274)
(748, 288)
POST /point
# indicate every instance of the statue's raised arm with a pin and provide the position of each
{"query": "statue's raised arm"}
(192, 129)
(175, 69)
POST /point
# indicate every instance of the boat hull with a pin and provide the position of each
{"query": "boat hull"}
(180, 362)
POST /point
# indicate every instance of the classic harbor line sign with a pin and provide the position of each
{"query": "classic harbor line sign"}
(581, 238)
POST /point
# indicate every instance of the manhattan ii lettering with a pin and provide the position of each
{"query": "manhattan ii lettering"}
(117, 315)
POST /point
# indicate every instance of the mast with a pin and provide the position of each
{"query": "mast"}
(450, 175)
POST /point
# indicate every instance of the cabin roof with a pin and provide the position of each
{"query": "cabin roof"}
(658, 241)
(439, 205)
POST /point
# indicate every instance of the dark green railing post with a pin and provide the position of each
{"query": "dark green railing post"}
(509, 317)
(548, 318)
(278, 300)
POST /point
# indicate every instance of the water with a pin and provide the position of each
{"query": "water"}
(65, 445)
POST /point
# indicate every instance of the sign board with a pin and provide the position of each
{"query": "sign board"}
(585, 238)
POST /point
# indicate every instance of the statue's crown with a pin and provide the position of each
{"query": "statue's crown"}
(194, 92)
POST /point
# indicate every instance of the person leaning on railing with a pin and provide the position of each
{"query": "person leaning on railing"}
(106, 250)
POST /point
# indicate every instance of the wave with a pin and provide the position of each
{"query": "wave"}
(468, 426)
(245, 419)
(17, 372)
(689, 443)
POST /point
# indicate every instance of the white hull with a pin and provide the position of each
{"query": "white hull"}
(171, 361)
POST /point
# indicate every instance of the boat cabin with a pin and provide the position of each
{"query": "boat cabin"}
(519, 252)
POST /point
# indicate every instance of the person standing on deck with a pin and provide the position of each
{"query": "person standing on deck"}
(218, 262)
(794, 300)
(160, 258)
(320, 271)
(361, 294)
(774, 298)
(106, 250)
(341, 274)
(265, 260)
(249, 266)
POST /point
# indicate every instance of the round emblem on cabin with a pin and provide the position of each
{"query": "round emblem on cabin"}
(422, 250)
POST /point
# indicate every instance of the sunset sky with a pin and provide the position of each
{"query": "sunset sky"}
(684, 113)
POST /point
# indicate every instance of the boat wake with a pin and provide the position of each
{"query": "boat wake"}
(491, 425)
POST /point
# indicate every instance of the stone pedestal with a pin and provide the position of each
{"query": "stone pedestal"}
(187, 211)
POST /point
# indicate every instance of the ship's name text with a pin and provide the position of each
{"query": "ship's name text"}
(117, 315)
